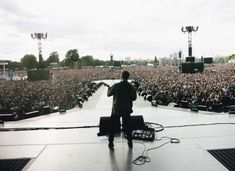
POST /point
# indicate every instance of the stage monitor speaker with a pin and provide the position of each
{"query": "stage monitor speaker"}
(154, 103)
(62, 111)
(143, 93)
(184, 104)
(149, 97)
(232, 109)
(46, 110)
(202, 107)
(137, 122)
(2, 123)
(105, 125)
(194, 108)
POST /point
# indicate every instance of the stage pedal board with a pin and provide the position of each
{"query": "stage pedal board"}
(147, 135)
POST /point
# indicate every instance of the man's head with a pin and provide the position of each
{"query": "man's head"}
(125, 75)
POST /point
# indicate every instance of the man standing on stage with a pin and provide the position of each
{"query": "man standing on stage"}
(123, 94)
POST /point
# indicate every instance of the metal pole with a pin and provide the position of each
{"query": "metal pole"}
(111, 60)
(4, 69)
(40, 50)
(190, 49)
(189, 30)
(180, 54)
(39, 36)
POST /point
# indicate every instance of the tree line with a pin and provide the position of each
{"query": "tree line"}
(224, 59)
(71, 60)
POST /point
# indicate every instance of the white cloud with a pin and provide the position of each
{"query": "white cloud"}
(135, 28)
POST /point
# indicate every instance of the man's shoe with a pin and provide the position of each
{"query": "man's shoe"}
(111, 146)
(130, 144)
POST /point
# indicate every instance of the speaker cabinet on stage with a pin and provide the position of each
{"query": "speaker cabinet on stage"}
(202, 107)
(149, 97)
(137, 122)
(184, 104)
(46, 110)
(154, 102)
(105, 125)
(232, 109)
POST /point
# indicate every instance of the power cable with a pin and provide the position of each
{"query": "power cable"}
(46, 128)
(200, 124)
(142, 159)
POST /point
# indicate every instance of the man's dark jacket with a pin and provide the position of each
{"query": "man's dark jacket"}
(123, 94)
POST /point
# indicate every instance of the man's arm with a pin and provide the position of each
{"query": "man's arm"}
(111, 90)
(133, 93)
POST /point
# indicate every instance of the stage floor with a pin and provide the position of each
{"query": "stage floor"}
(82, 149)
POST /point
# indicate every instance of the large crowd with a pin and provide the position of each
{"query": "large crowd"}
(212, 88)
(215, 86)
(63, 90)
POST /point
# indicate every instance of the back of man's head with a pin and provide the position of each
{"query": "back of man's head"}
(125, 75)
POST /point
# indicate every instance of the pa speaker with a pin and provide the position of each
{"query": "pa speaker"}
(137, 122)
(192, 67)
(232, 109)
(154, 103)
(190, 59)
(104, 126)
(208, 60)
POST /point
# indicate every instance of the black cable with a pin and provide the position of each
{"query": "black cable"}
(207, 124)
(154, 148)
(142, 159)
(97, 126)
(172, 140)
(46, 128)
(157, 129)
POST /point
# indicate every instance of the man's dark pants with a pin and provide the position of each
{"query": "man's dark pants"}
(126, 125)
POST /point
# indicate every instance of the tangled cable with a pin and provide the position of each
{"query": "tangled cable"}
(142, 159)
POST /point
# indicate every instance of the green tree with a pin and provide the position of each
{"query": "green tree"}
(53, 57)
(155, 62)
(29, 61)
(87, 61)
(13, 65)
(221, 59)
(231, 57)
(98, 62)
(71, 57)
(117, 63)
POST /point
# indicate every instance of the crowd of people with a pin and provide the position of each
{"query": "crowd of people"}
(215, 86)
(63, 90)
(213, 89)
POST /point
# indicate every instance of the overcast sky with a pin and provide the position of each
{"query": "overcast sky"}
(125, 28)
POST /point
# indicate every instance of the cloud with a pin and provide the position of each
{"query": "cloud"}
(126, 27)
